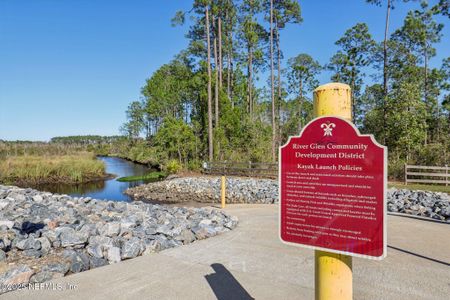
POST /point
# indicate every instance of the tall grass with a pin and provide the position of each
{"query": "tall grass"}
(69, 168)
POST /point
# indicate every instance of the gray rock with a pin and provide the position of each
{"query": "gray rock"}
(186, 236)
(56, 268)
(45, 245)
(131, 248)
(95, 262)
(15, 276)
(90, 233)
(44, 276)
(113, 255)
(69, 237)
(2, 255)
(29, 243)
(32, 253)
(7, 223)
(203, 232)
(111, 229)
(95, 250)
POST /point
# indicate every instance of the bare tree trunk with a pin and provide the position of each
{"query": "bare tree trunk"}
(230, 68)
(216, 85)
(220, 50)
(250, 81)
(385, 65)
(274, 130)
(208, 47)
(279, 81)
(425, 82)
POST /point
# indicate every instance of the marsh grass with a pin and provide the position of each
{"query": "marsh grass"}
(69, 168)
(153, 176)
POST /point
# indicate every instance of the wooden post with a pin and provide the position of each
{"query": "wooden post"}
(406, 174)
(333, 272)
(446, 175)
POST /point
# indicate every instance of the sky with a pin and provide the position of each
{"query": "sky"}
(71, 67)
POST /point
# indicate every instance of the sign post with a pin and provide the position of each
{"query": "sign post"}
(332, 192)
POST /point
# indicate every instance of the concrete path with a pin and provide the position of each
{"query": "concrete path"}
(250, 262)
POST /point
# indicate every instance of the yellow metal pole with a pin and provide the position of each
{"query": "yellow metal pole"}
(333, 272)
(222, 192)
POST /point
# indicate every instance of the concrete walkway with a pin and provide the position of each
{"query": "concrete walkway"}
(250, 262)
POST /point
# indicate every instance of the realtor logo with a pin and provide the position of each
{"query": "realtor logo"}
(327, 128)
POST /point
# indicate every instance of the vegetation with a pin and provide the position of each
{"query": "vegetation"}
(153, 176)
(35, 169)
(421, 187)
(208, 104)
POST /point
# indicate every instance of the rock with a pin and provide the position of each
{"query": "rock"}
(88, 233)
(33, 253)
(45, 245)
(69, 237)
(186, 236)
(15, 276)
(152, 246)
(111, 229)
(131, 248)
(9, 224)
(52, 224)
(78, 262)
(29, 243)
(56, 268)
(95, 250)
(203, 232)
(2, 255)
(207, 189)
(44, 276)
(38, 198)
(95, 262)
(113, 255)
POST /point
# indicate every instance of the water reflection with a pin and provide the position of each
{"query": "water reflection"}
(109, 189)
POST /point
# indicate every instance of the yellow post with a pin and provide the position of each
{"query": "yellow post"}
(222, 192)
(333, 272)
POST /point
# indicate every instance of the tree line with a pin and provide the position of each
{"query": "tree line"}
(208, 103)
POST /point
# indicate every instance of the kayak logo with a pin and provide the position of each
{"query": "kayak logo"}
(328, 128)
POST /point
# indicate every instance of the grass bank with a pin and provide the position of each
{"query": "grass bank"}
(35, 169)
(148, 177)
(421, 187)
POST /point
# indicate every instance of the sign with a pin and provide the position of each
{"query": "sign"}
(332, 190)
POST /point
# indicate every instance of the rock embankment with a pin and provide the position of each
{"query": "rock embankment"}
(250, 190)
(207, 190)
(45, 236)
(420, 203)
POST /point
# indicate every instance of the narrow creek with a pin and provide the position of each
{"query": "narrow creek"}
(109, 189)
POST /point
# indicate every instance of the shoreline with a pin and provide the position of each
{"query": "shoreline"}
(28, 183)
(46, 236)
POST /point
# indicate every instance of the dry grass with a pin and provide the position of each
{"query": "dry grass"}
(70, 168)
(421, 187)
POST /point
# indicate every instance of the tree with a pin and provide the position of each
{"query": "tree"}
(416, 37)
(176, 140)
(302, 73)
(135, 116)
(252, 35)
(357, 49)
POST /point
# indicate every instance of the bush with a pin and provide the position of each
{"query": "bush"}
(173, 166)
(396, 169)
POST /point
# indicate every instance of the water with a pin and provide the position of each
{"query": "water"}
(109, 189)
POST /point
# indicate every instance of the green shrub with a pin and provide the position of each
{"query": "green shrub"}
(173, 166)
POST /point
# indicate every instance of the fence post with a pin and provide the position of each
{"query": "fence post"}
(446, 175)
(406, 175)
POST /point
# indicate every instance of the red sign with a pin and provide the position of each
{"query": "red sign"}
(332, 190)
